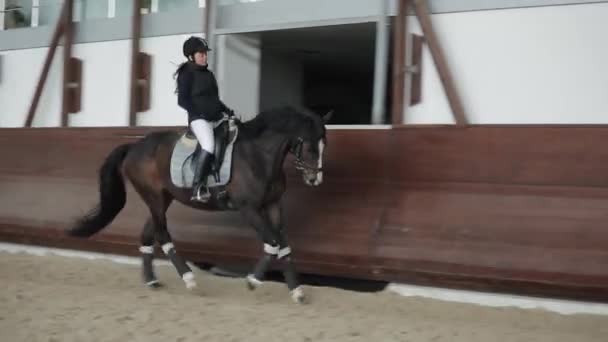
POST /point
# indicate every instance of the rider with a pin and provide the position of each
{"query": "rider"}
(197, 93)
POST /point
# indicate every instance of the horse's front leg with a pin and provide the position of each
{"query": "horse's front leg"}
(256, 278)
(275, 216)
(259, 220)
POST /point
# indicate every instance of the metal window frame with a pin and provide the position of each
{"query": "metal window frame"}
(2, 8)
(35, 20)
(188, 21)
(451, 6)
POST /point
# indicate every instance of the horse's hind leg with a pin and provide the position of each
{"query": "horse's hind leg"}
(164, 239)
(147, 250)
(142, 169)
(158, 203)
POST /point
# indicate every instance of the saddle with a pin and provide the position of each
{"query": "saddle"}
(187, 150)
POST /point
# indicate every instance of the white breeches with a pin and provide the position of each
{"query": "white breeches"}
(204, 134)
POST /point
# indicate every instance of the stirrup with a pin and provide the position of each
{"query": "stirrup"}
(201, 198)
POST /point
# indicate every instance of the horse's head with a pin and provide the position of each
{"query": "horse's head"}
(309, 148)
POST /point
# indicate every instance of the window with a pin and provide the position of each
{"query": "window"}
(167, 6)
(47, 12)
(29, 13)
(32, 13)
(17, 14)
(123, 8)
(91, 9)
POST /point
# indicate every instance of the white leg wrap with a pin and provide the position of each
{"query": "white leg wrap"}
(297, 295)
(254, 281)
(284, 252)
(320, 162)
(167, 247)
(188, 278)
(146, 249)
(152, 282)
(272, 250)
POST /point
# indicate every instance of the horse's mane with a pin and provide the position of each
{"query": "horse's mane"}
(286, 120)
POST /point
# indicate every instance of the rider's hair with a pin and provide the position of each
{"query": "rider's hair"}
(177, 72)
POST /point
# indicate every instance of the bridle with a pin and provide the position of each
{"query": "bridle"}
(296, 150)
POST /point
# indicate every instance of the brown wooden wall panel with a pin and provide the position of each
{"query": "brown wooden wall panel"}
(511, 208)
(528, 155)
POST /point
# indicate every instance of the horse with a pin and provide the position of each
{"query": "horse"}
(255, 188)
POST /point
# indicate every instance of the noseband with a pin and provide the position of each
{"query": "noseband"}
(296, 150)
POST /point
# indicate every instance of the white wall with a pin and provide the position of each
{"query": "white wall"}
(20, 73)
(106, 71)
(105, 92)
(166, 54)
(532, 65)
(239, 64)
(537, 65)
(281, 81)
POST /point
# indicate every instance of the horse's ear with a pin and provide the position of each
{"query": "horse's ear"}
(328, 116)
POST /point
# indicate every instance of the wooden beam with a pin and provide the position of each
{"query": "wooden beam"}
(59, 30)
(398, 81)
(421, 9)
(68, 39)
(74, 89)
(416, 85)
(143, 82)
(135, 62)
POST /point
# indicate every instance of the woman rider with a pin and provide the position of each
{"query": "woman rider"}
(197, 93)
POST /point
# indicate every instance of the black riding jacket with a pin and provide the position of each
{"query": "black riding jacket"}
(197, 93)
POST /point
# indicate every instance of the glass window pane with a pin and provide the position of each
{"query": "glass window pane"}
(18, 13)
(235, 2)
(170, 5)
(123, 8)
(93, 9)
(48, 12)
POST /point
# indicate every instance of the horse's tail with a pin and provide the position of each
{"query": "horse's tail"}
(112, 196)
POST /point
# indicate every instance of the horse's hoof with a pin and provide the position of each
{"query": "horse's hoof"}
(297, 295)
(252, 282)
(188, 278)
(154, 284)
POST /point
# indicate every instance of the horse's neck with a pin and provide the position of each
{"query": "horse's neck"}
(273, 148)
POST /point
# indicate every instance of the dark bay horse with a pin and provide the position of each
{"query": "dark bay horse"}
(255, 189)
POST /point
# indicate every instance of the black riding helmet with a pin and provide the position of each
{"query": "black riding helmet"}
(193, 45)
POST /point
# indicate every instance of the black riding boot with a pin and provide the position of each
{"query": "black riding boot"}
(203, 166)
